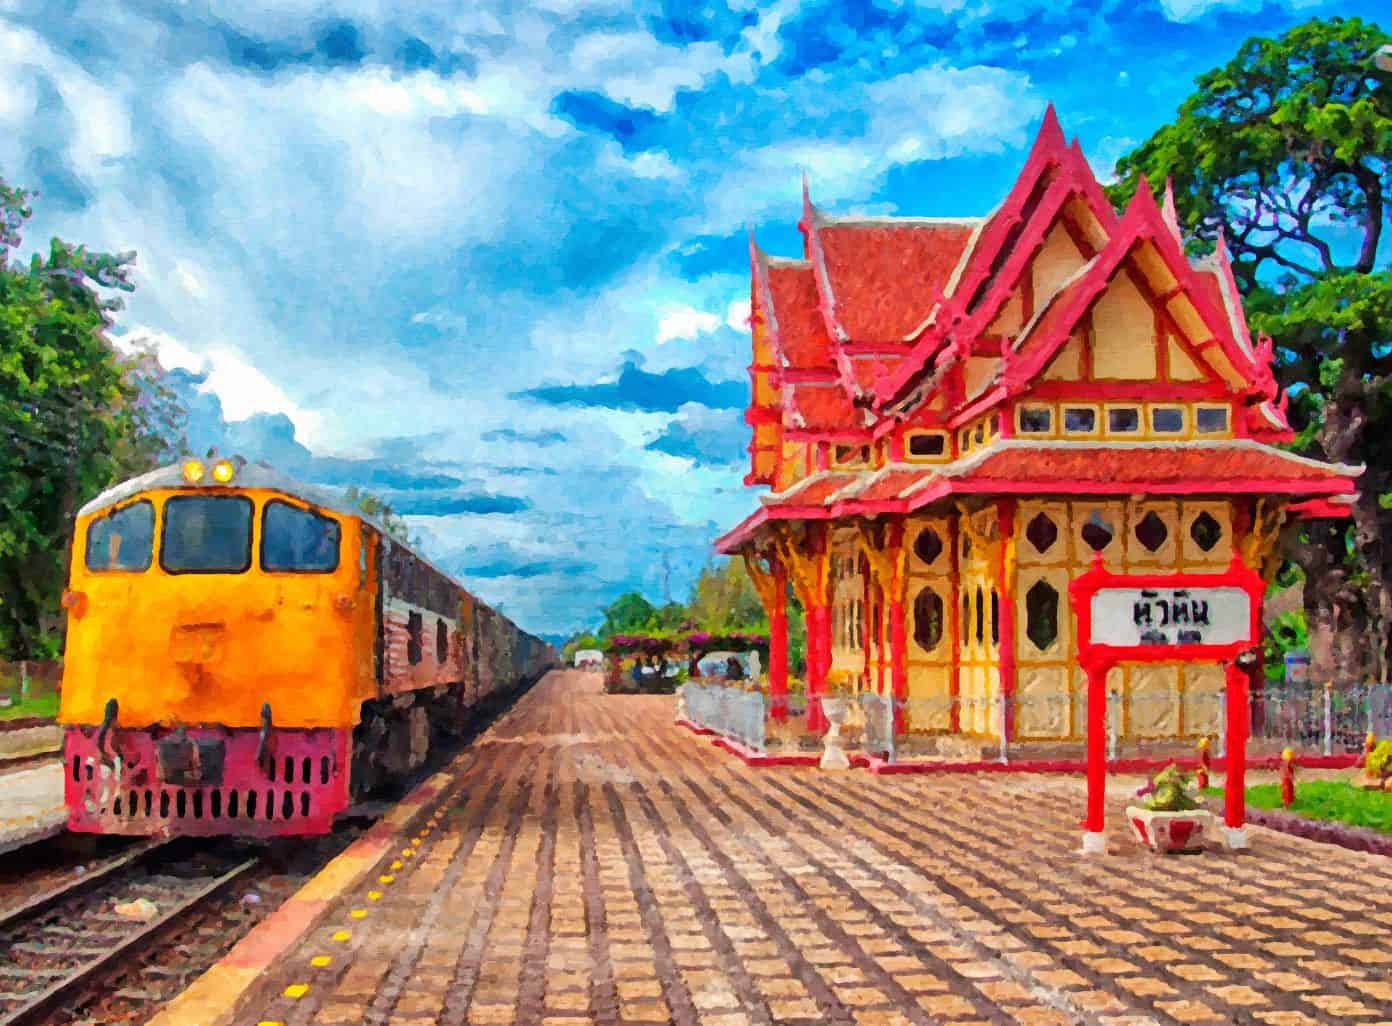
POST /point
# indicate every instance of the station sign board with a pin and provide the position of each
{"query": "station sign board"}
(1171, 616)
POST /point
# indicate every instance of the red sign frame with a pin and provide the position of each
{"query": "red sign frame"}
(1098, 659)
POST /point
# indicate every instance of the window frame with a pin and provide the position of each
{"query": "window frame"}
(942, 457)
(1225, 431)
(1048, 408)
(1137, 408)
(1153, 408)
(106, 515)
(1068, 432)
(261, 540)
(862, 457)
(250, 537)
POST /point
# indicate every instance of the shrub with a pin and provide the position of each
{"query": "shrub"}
(1170, 791)
(1379, 758)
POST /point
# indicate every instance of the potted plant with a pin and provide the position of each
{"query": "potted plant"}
(1169, 819)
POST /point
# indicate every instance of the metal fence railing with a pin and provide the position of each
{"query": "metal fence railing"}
(733, 712)
(29, 688)
(1311, 719)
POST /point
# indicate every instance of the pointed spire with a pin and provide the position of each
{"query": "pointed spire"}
(806, 192)
(1050, 131)
(1168, 211)
(1143, 205)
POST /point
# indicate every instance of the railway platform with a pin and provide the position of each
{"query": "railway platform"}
(31, 802)
(589, 862)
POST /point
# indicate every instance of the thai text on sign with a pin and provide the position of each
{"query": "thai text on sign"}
(1171, 616)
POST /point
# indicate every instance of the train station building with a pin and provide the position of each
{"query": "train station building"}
(953, 416)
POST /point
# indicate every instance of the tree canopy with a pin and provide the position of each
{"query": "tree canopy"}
(75, 416)
(1285, 153)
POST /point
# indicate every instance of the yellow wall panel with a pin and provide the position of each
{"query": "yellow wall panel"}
(1182, 368)
(1058, 260)
(1152, 701)
(1204, 684)
(1123, 340)
(1042, 702)
(1067, 364)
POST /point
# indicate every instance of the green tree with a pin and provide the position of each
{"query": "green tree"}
(630, 613)
(723, 599)
(380, 510)
(1287, 150)
(72, 416)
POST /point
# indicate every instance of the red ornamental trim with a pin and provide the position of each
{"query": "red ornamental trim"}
(1099, 658)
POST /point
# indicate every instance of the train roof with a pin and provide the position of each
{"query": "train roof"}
(263, 475)
(252, 475)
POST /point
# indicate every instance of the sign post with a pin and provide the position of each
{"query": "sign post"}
(1151, 618)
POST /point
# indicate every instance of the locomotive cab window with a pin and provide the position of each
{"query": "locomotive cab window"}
(206, 534)
(123, 539)
(298, 540)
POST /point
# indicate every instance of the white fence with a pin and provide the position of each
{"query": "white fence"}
(729, 711)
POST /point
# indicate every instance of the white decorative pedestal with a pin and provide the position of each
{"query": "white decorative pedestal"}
(1169, 831)
(1095, 843)
(834, 756)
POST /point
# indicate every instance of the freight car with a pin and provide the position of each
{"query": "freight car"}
(247, 654)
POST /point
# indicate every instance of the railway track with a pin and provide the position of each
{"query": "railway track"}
(58, 943)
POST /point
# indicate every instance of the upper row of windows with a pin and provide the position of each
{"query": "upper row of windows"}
(211, 534)
(1122, 420)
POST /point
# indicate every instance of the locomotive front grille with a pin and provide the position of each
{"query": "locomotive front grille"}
(205, 781)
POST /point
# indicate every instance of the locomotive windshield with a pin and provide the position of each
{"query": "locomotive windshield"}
(206, 534)
(298, 540)
(123, 539)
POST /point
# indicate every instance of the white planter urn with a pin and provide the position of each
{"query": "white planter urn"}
(1167, 832)
(833, 755)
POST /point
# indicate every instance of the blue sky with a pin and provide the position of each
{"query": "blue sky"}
(489, 260)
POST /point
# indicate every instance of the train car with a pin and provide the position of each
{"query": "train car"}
(248, 654)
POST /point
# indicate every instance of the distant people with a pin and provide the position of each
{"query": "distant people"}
(733, 669)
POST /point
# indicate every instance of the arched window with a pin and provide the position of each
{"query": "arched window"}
(1042, 614)
(928, 619)
(441, 643)
(980, 616)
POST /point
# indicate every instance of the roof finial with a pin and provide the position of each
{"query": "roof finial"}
(806, 192)
(1050, 131)
(1167, 210)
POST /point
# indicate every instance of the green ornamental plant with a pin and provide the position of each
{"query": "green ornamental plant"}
(1380, 759)
(1169, 791)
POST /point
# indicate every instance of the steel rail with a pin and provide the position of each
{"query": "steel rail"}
(60, 993)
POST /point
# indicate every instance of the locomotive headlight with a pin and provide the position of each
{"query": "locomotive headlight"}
(193, 471)
(223, 471)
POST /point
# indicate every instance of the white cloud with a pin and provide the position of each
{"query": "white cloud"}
(686, 322)
(737, 314)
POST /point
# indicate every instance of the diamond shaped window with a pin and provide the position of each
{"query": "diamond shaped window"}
(1041, 532)
(928, 546)
(1206, 531)
(1152, 532)
(1097, 533)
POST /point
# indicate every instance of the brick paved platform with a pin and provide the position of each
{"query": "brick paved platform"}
(604, 866)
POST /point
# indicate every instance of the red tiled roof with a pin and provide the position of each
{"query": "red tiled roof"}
(885, 277)
(813, 491)
(823, 407)
(890, 483)
(1221, 467)
(801, 330)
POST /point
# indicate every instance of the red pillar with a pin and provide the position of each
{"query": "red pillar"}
(1235, 776)
(818, 664)
(778, 644)
(1005, 602)
(898, 638)
(955, 624)
(1095, 840)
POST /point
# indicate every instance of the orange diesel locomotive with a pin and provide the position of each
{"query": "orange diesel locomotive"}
(246, 654)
